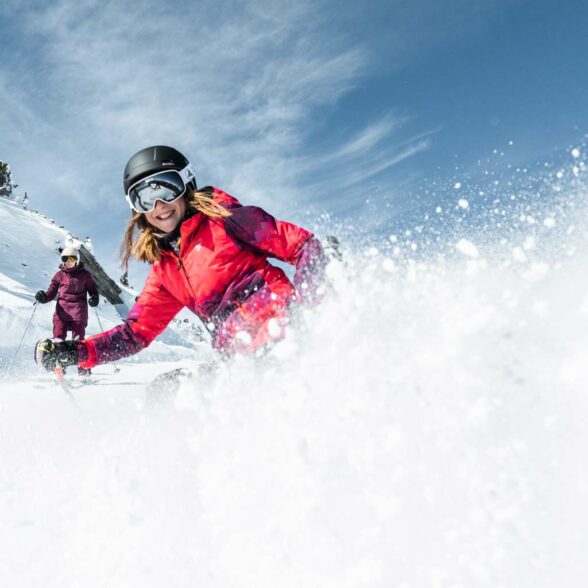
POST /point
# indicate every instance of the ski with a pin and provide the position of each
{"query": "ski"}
(60, 375)
(65, 385)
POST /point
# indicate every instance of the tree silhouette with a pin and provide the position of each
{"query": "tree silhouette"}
(6, 185)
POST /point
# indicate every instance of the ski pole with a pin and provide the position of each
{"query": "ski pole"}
(116, 368)
(22, 338)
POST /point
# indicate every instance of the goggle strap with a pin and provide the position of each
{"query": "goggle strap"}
(187, 174)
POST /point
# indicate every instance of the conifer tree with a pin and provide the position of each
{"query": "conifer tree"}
(6, 185)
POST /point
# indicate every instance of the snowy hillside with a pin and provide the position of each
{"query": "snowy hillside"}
(425, 427)
(29, 257)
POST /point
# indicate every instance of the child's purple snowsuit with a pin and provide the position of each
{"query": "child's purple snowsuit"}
(71, 310)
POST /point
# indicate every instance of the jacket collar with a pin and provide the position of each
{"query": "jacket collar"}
(185, 229)
(73, 270)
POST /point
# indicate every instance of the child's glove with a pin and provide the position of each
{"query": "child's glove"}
(53, 353)
(41, 296)
(93, 300)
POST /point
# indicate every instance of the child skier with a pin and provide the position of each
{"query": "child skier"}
(71, 284)
(208, 253)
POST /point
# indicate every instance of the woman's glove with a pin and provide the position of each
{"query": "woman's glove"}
(52, 353)
(310, 276)
(93, 300)
(41, 296)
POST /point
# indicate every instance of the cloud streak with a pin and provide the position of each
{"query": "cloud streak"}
(236, 86)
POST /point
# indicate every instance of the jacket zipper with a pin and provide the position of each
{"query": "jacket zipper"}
(186, 278)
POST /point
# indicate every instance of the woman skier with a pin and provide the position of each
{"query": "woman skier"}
(208, 253)
(71, 284)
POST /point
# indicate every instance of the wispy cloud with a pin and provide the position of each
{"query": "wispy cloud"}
(369, 137)
(341, 175)
(237, 86)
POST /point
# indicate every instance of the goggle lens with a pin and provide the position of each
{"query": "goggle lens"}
(67, 258)
(165, 186)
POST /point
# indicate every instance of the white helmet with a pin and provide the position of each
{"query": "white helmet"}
(70, 252)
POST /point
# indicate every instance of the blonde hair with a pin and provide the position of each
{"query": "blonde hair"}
(145, 245)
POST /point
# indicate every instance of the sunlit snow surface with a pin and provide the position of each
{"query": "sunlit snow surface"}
(426, 427)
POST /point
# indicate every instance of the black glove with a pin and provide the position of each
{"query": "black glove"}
(94, 300)
(52, 353)
(41, 296)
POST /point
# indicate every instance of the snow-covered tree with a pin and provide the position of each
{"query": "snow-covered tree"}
(6, 185)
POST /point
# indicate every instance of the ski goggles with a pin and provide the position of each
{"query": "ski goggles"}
(166, 186)
(67, 258)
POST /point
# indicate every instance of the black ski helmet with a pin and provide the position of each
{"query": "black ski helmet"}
(152, 160)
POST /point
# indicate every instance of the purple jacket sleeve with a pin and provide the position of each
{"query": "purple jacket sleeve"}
(260, 231)
(310, 276)
(53, 286)
(121, 341)
(149, 316)
(91, 286)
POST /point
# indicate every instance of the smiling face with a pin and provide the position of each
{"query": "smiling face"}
(166, 215)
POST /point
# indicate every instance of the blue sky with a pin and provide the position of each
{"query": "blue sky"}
(291, 106)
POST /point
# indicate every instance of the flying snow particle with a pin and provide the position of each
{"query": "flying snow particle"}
(519, 255)
(536, 272)
(388, 265)
(273, 328)
(467, 248)
(457, 185)
(243, 337)
(549, 222)
(463, 203)
(575, 153)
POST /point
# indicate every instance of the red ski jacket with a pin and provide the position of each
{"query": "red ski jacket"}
(222, 274)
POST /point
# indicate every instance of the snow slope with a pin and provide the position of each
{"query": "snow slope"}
(424, 428)
(29, 257)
